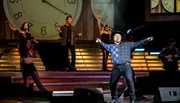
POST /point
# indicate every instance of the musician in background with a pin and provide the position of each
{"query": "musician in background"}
(170, 56)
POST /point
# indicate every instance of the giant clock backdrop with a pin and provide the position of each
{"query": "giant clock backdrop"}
(43, 15)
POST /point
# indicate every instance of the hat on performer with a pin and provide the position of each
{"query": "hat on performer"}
(120, 33)
(171, 42)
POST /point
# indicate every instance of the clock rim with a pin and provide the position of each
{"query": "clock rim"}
(156, 4)
(92, 6)
(10, 19)
(166, 7)
(8, 16)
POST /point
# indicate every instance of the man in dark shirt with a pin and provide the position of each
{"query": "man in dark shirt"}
(68, 36)
(121, 57)
(68, 33)
(170, 56)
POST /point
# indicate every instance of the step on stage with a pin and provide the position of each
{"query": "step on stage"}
(60, 84)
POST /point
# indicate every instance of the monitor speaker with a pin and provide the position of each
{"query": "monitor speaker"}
(88, 95)
(167, 95)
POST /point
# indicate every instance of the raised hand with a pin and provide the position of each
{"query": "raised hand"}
(150, 38)
(98, 40)
(98, 16)
(80, 34)
(59, 29)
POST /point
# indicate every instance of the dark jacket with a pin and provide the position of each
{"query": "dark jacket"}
(63, 35)
(170, 64)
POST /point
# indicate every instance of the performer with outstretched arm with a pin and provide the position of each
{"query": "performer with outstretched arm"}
(105, 35)
(24, 34)
(121, 57)
(29, 70)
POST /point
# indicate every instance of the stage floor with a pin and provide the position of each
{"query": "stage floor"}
(42, 100)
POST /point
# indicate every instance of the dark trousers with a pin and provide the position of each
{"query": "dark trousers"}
(105, 58)
(73, 53)
(65, 60)
(122, 88)
(126, 71)
(29, 70)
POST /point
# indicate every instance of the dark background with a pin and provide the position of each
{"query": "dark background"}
(135, 14)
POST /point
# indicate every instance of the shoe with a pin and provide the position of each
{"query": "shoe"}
(19, 99)
(66, 69)
(133, 101)
(114, 101)
(105, 69)
(47, 95)
(141, 97)
(73, 69)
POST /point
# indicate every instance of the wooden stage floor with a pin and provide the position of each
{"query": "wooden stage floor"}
(42, 100)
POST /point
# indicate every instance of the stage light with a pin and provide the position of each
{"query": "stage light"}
(154, 53)
(129, 31)
(139, 50)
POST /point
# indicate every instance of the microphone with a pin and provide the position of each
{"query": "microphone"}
(129, 31)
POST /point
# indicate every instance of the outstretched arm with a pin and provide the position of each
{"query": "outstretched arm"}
(11, 27)
(140, 43)
(99, 23)
(76, 32)
(106, 46)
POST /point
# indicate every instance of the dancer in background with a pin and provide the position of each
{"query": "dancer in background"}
(24, 34)
(121, 57)
(28, 53)
(68, 35)
(105, 35)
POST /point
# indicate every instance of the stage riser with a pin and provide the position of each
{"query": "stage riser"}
(71, 88)
(55, 80)
(54, 73)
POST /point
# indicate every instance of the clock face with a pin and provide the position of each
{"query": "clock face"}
(154, 3)
(168, 5)
(178, 6)
(106, 9)
(44, 16)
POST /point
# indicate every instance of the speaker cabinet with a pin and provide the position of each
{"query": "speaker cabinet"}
(88, 95)
(167, 95)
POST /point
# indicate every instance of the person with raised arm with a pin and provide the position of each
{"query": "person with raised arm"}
(24, 34)
(121, 57)
(105, 35)
(29, 69)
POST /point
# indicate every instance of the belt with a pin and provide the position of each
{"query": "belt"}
(122, 64)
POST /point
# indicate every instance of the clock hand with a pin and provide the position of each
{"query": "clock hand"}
(65, 13)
